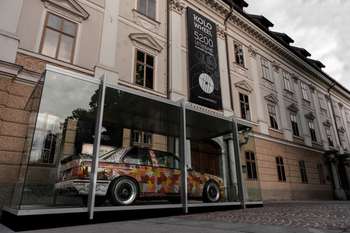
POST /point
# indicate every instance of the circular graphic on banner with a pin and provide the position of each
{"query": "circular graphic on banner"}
(206, 83)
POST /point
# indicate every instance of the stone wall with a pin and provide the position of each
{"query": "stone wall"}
(13, 128)
(293, 188)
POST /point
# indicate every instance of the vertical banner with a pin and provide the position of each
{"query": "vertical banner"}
(204, 74)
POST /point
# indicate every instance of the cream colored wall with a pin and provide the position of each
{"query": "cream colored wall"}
(32, 21)
(131, 22)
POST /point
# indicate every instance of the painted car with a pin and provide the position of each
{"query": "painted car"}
(128, 174)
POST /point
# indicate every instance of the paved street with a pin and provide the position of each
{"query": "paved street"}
(320, 215)
(301, 217)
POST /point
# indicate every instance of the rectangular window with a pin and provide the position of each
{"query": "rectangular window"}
(58, 39)
(303, 173)
(280, 169)
(312, 130)
(251, 165)
(273, 116)
(321, 174)
(144, 69)
(266, 69)
(239, 54)
(287, 81)
(329, 136)
(305, 91)
(147, 7)
(141, 139)
(294, 122)
(244, 104)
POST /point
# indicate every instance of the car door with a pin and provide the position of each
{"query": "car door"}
(139, 166)
(166, 172)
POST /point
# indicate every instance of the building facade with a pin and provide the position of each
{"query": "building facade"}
(297, 143)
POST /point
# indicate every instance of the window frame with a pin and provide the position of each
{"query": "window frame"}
(239, 54)
(281, 173)
(295, 124)
(141, 139)
(305, 92)
(252, 172)
(312, 129)
(60, 32)
(145, 66)
(273, 116)
(303, 172)
(245, 106)
(286, 80)
(266, 69)
(147, 14)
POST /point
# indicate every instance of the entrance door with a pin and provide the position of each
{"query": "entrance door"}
(205, 157)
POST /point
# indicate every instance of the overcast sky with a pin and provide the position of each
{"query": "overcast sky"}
(320, 26)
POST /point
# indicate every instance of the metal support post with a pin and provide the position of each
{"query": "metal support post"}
(96, 149)
(183, 158)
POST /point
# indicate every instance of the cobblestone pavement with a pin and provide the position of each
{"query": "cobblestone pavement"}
(318, 215)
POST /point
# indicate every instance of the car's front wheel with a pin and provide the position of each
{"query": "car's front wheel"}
(211, 192)
(124, 191)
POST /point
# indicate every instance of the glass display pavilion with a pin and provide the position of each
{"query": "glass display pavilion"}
(93, 146)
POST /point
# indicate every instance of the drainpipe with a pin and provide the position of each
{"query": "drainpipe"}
(228, 57)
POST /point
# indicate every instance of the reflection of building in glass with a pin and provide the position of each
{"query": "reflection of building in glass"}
(48, 128)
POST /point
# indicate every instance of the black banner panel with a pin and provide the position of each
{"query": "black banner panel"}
(204, 74)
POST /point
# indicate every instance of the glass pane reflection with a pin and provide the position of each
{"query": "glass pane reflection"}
(64, 130)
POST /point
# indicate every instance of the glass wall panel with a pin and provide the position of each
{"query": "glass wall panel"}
(64, 129)
(139, 155)
(209, 159)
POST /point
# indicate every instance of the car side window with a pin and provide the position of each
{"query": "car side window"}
(167, 160)
(137, 156)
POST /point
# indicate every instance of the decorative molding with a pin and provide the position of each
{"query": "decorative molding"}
(310, 116)
(244, 85)
(295, 78)
(68, 8)
(252, 52)
(327, 123)
(272, 98)
(220, 32)
(293, 108)
(341, 105)
(342, 129)
(177, 6)
(147, 40)
(276, 66)
(312, 89)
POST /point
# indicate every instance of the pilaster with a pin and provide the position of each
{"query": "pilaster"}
(176, 85)
(107, 64)
(9, 17)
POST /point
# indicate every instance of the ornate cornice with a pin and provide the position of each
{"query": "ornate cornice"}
(272, 98)
(177, 6)
(293, 108)
(310, 116)
(244, 85)
(276, 66)
(252, 52)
